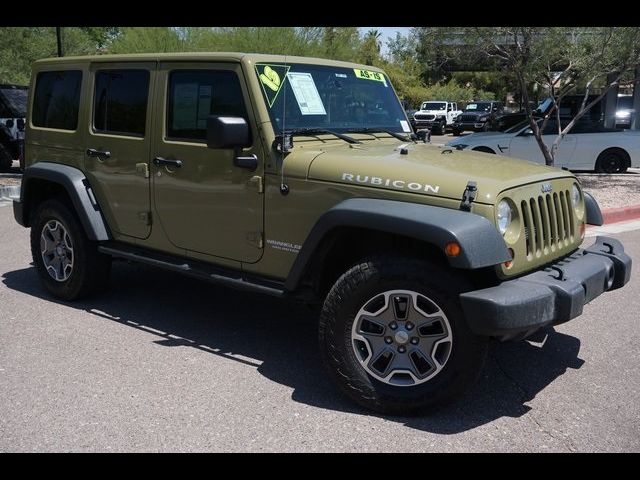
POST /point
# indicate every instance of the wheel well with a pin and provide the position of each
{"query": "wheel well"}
(344, 246)
(483, 149)
(621, 151)
(39, 190)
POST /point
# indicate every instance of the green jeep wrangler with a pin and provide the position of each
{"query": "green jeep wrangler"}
(301, 178)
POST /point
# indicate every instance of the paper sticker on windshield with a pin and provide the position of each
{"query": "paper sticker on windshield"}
(272, 79)
(405, 126)
(369, 75)
(307, 96)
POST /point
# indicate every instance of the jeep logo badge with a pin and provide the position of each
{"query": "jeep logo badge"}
(546, 187)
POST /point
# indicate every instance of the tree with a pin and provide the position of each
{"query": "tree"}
(370, 48)
(21, 46)
(560, 59)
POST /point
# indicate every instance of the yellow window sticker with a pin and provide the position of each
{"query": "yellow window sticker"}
(272, 78)
(370, 75)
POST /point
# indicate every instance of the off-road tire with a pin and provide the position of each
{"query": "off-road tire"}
(456, 132)
(91, 269)
(383, 273)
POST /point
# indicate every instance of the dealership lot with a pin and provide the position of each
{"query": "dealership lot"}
(165, 363)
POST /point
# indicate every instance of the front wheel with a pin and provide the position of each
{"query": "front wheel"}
(68, 263)
(394, 337)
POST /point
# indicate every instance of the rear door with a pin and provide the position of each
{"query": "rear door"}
(117, 155)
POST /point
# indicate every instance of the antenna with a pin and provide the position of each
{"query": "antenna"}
(284, 188)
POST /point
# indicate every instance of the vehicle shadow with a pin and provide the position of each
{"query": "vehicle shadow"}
(279, 339)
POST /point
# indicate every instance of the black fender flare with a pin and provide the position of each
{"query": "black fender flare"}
(77, 187)
(594, 215)
(482, 245)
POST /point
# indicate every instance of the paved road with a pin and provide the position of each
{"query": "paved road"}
(165, 363)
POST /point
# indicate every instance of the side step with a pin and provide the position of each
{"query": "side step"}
(200, 270)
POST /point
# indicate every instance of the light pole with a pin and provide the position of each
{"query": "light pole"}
(59, 38)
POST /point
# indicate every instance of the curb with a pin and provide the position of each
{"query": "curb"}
(9, 192)
(613, 215)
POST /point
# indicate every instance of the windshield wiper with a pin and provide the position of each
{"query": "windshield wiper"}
(317, 131)
(397, 135)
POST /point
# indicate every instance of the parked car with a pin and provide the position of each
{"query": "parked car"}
(13, 110)
(410, 113)
(436, 115)
(587, 146)
(477, 117)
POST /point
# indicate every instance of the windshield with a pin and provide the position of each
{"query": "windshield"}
(434, 106)
(518, 126)
(300, 96)
(479, 107)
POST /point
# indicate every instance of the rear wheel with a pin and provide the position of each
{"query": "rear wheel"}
(68, 263)
(394, 338)
(456, 132)
(611, 161)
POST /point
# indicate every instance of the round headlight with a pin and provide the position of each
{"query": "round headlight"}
(575, 196)
(503, 216)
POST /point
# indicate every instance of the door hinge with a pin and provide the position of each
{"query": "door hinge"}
(257, 181)
(256, 238)
(142, 169)
(145, 217)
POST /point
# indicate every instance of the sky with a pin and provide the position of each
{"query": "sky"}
(387, 33)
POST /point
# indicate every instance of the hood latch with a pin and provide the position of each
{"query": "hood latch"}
(468, 196)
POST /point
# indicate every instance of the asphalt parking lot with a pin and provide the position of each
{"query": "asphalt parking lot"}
(160, 362)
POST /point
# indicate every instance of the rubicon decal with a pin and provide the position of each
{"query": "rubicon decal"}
(390, 183)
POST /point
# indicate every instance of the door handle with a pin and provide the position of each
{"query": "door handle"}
(92, 152)
(159, 161)
(250, 162)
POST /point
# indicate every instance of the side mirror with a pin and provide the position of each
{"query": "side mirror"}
(227, 132)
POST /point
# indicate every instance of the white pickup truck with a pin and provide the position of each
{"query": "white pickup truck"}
(437, 115)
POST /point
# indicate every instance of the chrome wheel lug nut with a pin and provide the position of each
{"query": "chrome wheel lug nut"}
(393, 325)
(388, 340)
(414, 341)
(409, 326)
(402, 349)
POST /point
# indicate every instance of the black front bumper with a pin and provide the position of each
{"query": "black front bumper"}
(557, 294)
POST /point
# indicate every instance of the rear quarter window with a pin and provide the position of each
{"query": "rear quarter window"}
(57, 99)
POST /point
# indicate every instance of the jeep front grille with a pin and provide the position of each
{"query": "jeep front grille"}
(423, 116)
(549, 223)
(468, 118)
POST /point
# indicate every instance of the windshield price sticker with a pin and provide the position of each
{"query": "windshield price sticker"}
(369, 75)
(307, 96)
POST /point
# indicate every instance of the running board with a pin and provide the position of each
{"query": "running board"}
(176, 264)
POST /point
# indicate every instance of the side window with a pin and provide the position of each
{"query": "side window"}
(120, 101)
(57, 99)
(196, 94)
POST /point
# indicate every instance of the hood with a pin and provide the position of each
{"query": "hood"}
(425, 169)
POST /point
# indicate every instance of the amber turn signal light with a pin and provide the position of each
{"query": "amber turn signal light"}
(452, 249)
(508, 263)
